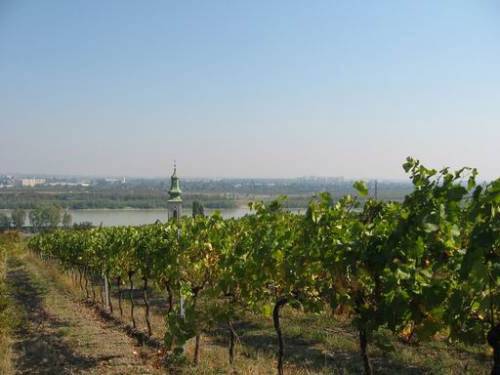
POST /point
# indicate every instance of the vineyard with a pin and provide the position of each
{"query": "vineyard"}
(428, 266)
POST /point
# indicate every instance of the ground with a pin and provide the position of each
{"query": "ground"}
(61, 335)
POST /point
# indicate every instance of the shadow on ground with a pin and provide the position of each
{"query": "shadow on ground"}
(115, 322)
(40, 337)
(306, 353)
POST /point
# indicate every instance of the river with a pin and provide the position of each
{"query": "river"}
(116, 217)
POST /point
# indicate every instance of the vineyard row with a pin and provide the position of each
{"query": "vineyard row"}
(426, 265)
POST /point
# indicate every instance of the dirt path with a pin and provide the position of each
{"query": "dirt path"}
(59, 335)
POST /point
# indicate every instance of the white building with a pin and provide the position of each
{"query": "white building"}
(30, 182)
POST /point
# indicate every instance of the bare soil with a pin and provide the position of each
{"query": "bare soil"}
(59, 334)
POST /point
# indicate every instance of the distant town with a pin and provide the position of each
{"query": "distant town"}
(76, 192)
(9, 181)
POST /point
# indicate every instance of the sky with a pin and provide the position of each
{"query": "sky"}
(248, 88)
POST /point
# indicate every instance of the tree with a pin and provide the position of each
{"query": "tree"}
(53, 216)
(198, 209)
(45, 217)
(4, 222)
(66, 219)
(18, 218)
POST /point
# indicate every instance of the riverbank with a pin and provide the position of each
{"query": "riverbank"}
(133, 216)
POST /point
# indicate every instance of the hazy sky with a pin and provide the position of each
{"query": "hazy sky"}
(254, 88)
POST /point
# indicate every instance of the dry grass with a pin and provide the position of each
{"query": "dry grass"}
(5, 338)
(9, 244)
(60, 334)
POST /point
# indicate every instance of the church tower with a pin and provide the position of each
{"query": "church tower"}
(174, 203)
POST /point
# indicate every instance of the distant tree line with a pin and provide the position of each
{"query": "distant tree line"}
(227, 193)
(94, 198)
(41, 218)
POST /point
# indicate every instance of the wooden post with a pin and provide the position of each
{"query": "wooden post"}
(106, 291)
(181, 297)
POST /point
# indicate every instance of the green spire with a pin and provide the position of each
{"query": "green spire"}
(175, 191)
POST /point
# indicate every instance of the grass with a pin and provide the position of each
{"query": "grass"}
(9, 313)
(315, 343)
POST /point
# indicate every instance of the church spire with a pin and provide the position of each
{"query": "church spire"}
(174, 196)
(175, 191)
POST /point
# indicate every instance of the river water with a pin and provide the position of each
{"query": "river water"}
(116, 217)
